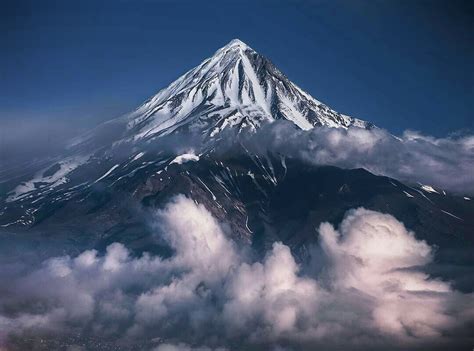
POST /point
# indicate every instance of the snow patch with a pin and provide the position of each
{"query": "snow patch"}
(429, 189)
(185, 158)
(52, 181)
(450, 214)
(137, 156)
(106, 174)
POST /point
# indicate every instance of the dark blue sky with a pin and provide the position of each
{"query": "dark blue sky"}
(399, 64)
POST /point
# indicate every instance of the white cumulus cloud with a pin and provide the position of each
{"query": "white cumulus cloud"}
(211, 295)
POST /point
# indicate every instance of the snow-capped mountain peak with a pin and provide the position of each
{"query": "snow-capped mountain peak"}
(234, 88)
(235, 44)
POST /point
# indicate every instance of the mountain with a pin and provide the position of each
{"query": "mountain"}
(202, 137)
(102, 188)
(236, 88)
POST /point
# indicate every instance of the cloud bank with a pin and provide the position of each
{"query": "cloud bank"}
(445, 162)
(209, 295)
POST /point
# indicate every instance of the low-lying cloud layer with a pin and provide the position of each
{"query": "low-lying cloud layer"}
(445, 162)
(209, 295)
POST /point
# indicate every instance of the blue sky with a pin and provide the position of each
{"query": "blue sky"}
(399, 64)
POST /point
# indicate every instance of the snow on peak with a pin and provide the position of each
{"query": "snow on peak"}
(234, 47)
(235, 88)
(237, 43)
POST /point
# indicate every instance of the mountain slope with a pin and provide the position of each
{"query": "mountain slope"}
(235, 90)
(260, 198)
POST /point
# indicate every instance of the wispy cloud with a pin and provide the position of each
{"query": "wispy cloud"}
(443, 162)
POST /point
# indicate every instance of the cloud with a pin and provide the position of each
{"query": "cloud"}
(210, 295)
(23, 139)
(443, 162)
(269, 299)
(373, 253)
